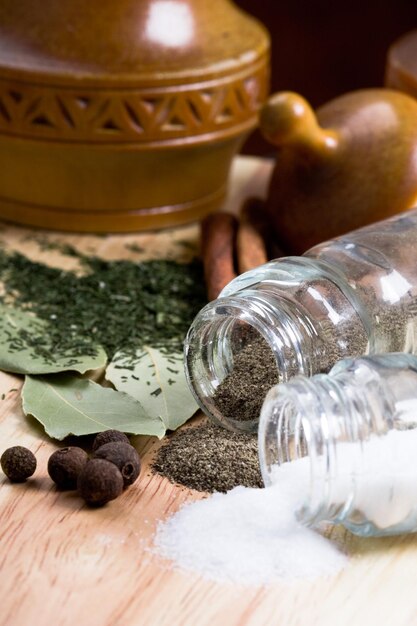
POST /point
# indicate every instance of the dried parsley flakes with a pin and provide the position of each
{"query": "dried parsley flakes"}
(116, 304)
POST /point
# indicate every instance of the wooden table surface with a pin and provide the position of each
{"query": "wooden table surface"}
(62, 563)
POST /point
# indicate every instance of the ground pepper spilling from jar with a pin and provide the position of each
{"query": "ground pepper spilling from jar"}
(241, 394)
(210, 458)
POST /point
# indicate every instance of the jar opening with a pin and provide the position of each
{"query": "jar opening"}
(240, 346)
(291, 432)
(230, 366)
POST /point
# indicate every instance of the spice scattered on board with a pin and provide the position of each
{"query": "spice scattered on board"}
(56, 321)
(65, 465)
(114, 467)
(18, 463)
(108, 436)
(124, 456)
(209, 458)
(115, 304)
(99, 482)
(249, 536)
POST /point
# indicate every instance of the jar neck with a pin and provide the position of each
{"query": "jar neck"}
(320, 426)
(218, 335)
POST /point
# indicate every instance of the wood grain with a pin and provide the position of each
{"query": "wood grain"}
(64, 564)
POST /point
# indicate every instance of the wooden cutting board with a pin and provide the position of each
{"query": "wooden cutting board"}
(62, 563)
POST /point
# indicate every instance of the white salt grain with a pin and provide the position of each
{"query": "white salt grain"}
(248, 536)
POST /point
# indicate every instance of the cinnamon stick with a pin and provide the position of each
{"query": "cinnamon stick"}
(251, 238)
(218, 237)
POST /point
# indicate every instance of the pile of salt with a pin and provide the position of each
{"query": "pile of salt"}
(249, 536)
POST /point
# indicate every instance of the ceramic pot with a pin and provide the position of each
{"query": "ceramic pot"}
(401, 69)
(348, 164)
(119, 115)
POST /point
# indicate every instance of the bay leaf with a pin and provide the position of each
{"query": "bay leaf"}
(20, 331)
(69, 405)
(157, 380)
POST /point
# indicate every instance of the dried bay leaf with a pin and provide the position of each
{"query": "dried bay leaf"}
(25, 347)
(157, 380)
(68, 405)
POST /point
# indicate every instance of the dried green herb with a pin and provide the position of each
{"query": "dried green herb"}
(62, 320)
(157, 380)
(26, 348)
(133, 247)
(116, 304)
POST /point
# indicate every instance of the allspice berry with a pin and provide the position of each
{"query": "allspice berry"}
(18, 463)
(99, 482)
(107, 436)
(65, 465)
(124, 456)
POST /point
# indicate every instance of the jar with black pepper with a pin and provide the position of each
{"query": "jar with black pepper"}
(350, 296)
(347, 440)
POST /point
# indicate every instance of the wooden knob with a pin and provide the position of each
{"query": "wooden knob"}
(287, 118)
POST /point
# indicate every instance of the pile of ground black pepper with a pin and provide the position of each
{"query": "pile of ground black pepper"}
(116, 304)
(241, 394)
(210, 458)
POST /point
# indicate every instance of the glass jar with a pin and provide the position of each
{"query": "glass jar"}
(347, 297)
(348, 439)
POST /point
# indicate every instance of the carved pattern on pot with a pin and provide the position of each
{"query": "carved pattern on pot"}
(217, 107)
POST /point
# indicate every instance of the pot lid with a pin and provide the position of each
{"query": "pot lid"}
(125, 41)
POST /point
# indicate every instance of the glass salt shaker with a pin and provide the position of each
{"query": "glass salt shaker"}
(350, 296)
(349, 440)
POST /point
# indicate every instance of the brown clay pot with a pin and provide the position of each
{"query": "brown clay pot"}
(119, 115)
(350, 163)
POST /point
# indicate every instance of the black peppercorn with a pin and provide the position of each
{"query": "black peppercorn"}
(65, 465)
(99, 482)
(18, 463)
(107, 436)
(124, 456)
